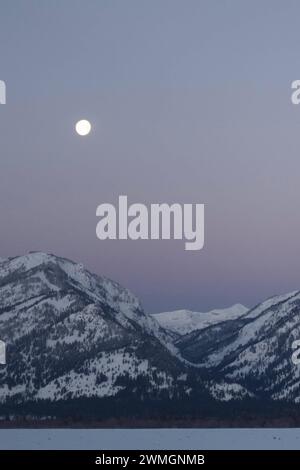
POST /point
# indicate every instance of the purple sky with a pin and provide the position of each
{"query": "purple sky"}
(190, 102)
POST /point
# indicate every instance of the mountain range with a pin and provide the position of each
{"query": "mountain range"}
(78, 344)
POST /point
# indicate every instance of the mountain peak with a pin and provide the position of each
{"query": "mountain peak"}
(186, 321)
(30, 260)
(70, 333)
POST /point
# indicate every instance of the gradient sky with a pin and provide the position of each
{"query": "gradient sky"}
(190, 102)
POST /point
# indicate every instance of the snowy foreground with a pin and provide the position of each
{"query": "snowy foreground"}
(167, 439)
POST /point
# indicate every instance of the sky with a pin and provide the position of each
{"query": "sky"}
(189, 102)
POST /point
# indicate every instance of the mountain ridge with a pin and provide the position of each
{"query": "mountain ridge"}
(186, 321)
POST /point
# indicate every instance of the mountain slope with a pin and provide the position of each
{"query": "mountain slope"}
(251, 356)
(70, 333)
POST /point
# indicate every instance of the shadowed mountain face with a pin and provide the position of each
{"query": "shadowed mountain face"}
(74, 335)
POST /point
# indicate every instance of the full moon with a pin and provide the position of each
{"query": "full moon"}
(83, 127)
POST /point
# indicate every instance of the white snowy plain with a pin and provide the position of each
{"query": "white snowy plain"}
(147, 439)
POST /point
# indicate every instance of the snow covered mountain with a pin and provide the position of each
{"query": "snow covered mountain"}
(185, 321)
(251, 356)
(70, 333)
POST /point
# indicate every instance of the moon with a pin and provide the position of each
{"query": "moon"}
(83, 127)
